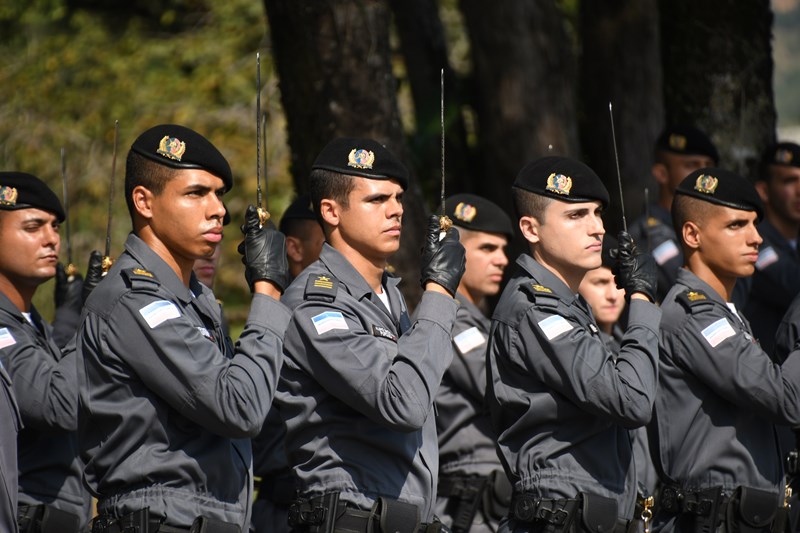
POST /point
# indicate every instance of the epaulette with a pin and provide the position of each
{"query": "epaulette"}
(652, 222)
(321, 287)
(540, 294)
(694, 298)
(139, 278)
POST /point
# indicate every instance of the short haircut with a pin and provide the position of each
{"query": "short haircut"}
(142, 171)
(529, 204)
(689, 209)
(329, 185)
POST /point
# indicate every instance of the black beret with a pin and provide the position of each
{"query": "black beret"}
(687, 140)
(722, 187)
(19, 190)
(784, 154)
(562, 178)
(475, 213)
(609, 243)
(179, 147)
(361, 157)
(299, 209)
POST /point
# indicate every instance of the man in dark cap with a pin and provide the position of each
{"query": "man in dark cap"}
(277, 485)
(561, 401)
(776, 280)
(473, 490)
(720, 395)
(168, 405)
(679, 150)
(51, 496)
(360, 377)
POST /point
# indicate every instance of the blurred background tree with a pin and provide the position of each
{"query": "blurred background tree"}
(519, 76)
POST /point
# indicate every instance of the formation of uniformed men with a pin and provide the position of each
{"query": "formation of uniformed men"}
(337, 410)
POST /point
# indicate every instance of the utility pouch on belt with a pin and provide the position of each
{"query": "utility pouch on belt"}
(598, 512)
(497, 496)
(754, 511)
(395, 516)
(135, 522)
(701, 510)
(203, 524)
(58, 521)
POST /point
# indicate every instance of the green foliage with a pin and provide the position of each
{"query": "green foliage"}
(69, 71)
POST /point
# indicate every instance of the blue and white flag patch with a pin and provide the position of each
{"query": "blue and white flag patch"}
(553, 326)
(665, 251)
(6, 338)
(766, 257)
(718, 332)
(468, 340)
(159, 312)
(328, 321)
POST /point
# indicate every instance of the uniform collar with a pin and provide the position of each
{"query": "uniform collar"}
(469, 306)
(544, 277)
(167, 277)
(687, 278)
(342, 270)
(7, 306)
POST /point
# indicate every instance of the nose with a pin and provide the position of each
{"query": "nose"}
(51, 236)
(755, 236)
(217, 208)
(395, 208)
(501, 259)
(597, 226)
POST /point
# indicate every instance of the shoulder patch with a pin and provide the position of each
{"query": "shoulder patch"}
(540, 294)
(718, 332)
(329, 320)
(6, 338)
(554, 325)
(468, 340)
(665, 251)
(159, 312)
(321, 287)
(766, 257)
(140, 278)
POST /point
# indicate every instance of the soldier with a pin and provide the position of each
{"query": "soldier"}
(679, 150)
(9, 428)
(473, 492)
(776, 280)
(51, 496)
(561, 401)
(720, 396)
(360, 378)
(277, 486)
(168, 406)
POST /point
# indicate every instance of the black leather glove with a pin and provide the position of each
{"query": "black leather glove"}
(263, 252)
(635, 271)
(443, 262)
(94, 273)
(68, 291)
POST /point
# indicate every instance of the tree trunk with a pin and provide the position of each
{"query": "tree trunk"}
(717, 60)
(334, 64)
(524, 76)
(422, 41)
(621, 64)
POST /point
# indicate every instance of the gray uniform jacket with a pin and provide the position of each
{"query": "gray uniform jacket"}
(656, 235)
(46, 390)
(775, 283)
(168, 406)
(10, 424)
(561, 402)
(466, 440)
(720, 395)
(358, 386)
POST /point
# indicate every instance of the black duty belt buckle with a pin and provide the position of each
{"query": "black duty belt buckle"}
(524, 508)
(670, 500)
(304, 513)
(557, 517)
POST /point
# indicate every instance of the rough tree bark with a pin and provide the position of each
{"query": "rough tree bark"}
(717, 59)
(334, 65)
(621, 63)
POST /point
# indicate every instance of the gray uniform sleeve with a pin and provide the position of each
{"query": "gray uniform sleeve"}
(578, 365)
(45, 388)
(363, 371)
(731, 364)
(187, 370)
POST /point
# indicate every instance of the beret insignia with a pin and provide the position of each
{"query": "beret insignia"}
(783, 156)
(677, 142)
(171, 147)
(360, 158)
(559, 183)
(706, 184)
(465, 212)
(323, 282)
(8, 195)
(695, 296)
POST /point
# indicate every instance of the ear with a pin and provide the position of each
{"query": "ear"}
(763, 190)
(143, 201)
(691, 235)
(660, 173)
(330, 211)
(294, 248)
(529, 227)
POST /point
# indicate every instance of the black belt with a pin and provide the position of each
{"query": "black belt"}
(588, 511)
(46, 519)
(142, 521)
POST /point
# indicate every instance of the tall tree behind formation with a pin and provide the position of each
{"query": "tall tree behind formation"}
(717, 59)
(621, 64)
(333, 61)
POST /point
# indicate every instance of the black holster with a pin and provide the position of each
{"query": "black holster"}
(46, 519)
(755, 511)
(465, 495)
(587, 513)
